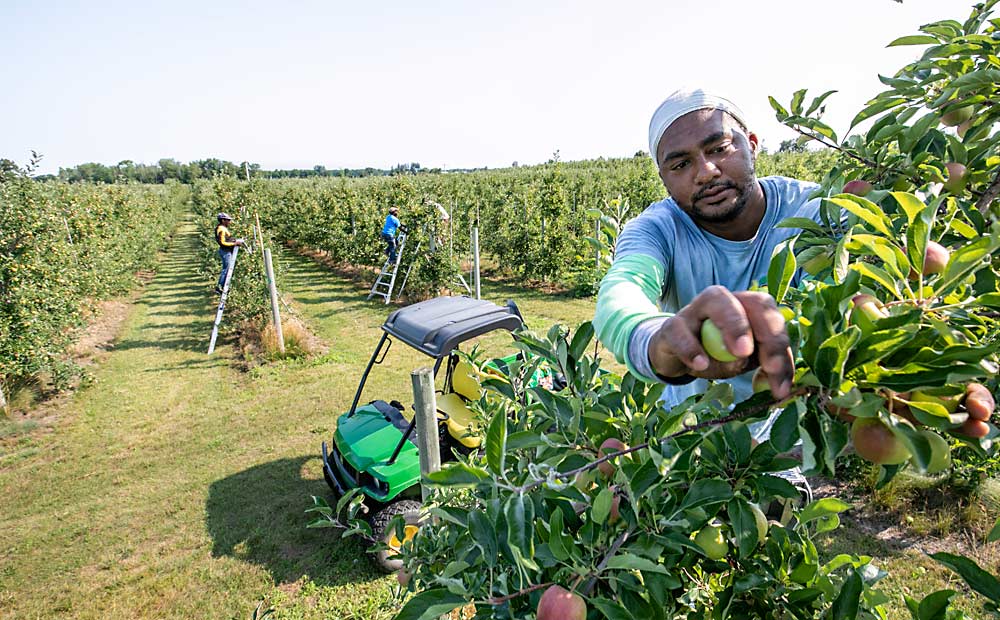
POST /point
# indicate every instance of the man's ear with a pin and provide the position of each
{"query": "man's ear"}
(754, 142)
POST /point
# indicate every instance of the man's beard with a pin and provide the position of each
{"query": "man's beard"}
(720, 217)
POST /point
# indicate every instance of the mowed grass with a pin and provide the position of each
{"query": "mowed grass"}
(175, 486)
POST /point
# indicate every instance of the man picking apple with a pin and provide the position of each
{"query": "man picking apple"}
(690, 259)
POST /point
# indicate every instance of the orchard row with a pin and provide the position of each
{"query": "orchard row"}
(63, 247)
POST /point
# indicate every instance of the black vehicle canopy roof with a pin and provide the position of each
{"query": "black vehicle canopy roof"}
(437, 326)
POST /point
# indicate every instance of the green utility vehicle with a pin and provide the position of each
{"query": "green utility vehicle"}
(374, 447)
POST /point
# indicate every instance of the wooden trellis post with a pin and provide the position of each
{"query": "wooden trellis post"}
(426, 423)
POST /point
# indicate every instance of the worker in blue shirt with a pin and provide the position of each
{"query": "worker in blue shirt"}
(389, 229)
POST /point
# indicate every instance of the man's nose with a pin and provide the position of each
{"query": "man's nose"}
(705, 170)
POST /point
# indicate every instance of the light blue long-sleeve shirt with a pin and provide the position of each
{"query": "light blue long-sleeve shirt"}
(663, 260)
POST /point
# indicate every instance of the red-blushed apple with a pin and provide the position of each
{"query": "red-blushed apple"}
(875, 442)
(403, 577)
(711, 341)
(558, 603)
(956, 177)
(614, 514)
(610, 445)
(956, 116)
(858, 187)
(936, 258)
(964, 128)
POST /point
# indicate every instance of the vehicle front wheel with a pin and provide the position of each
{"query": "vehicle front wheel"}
(411, 511)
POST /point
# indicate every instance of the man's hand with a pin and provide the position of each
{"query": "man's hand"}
(240, 242)
(980, 405)
(753, 330)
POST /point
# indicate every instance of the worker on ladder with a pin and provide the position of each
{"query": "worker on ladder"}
(392, 224)
(226, 243)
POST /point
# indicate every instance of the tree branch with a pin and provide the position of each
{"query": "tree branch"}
(991, 193)
(612, 550)
(752, 411)
(500, 600)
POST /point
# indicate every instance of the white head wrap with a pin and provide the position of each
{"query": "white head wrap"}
(681, 102)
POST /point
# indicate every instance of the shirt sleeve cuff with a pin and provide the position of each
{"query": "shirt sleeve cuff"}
(638, 353)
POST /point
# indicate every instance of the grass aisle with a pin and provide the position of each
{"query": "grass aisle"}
(174, 486)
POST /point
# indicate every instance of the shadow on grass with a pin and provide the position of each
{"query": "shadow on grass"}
(258, 516)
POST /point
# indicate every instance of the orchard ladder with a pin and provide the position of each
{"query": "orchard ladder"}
(387, 277)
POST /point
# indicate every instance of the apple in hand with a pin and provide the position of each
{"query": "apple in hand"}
(711, 341)
(558, 603)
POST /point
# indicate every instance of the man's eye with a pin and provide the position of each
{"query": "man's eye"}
(679, 165)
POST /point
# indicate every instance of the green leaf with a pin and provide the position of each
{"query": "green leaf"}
(610, 609)
(978, 579)
(994, 534)
(707, 491)
(779, 110)
(496, 442)
(965, 260)
(628, 561)
(818, 101)
(876, 106)
(935, 605)
(785, 432)
(457, 475)
(914, 39)
(845, 606)
(866, 210)
(584, 334)
(430, 605)
(520, 514)
(920, 217)
(556, 546)
(781, 270)
(602, 506)
(801, 223)
(876, 274)
(484, 533)
(821, 507)
(744, 525)
(832, 355)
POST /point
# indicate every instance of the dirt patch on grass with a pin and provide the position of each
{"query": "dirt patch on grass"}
(36, 406)
(921, 520)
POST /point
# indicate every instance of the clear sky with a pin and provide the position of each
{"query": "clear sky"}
(450, 84)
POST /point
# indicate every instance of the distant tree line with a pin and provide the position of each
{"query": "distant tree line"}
(171, 169)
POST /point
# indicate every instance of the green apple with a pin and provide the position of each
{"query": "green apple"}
(956, 177)
(956, 116)
(875, 442)
(869, 306)
(712, 542)
(711, 341)
(759, 383)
